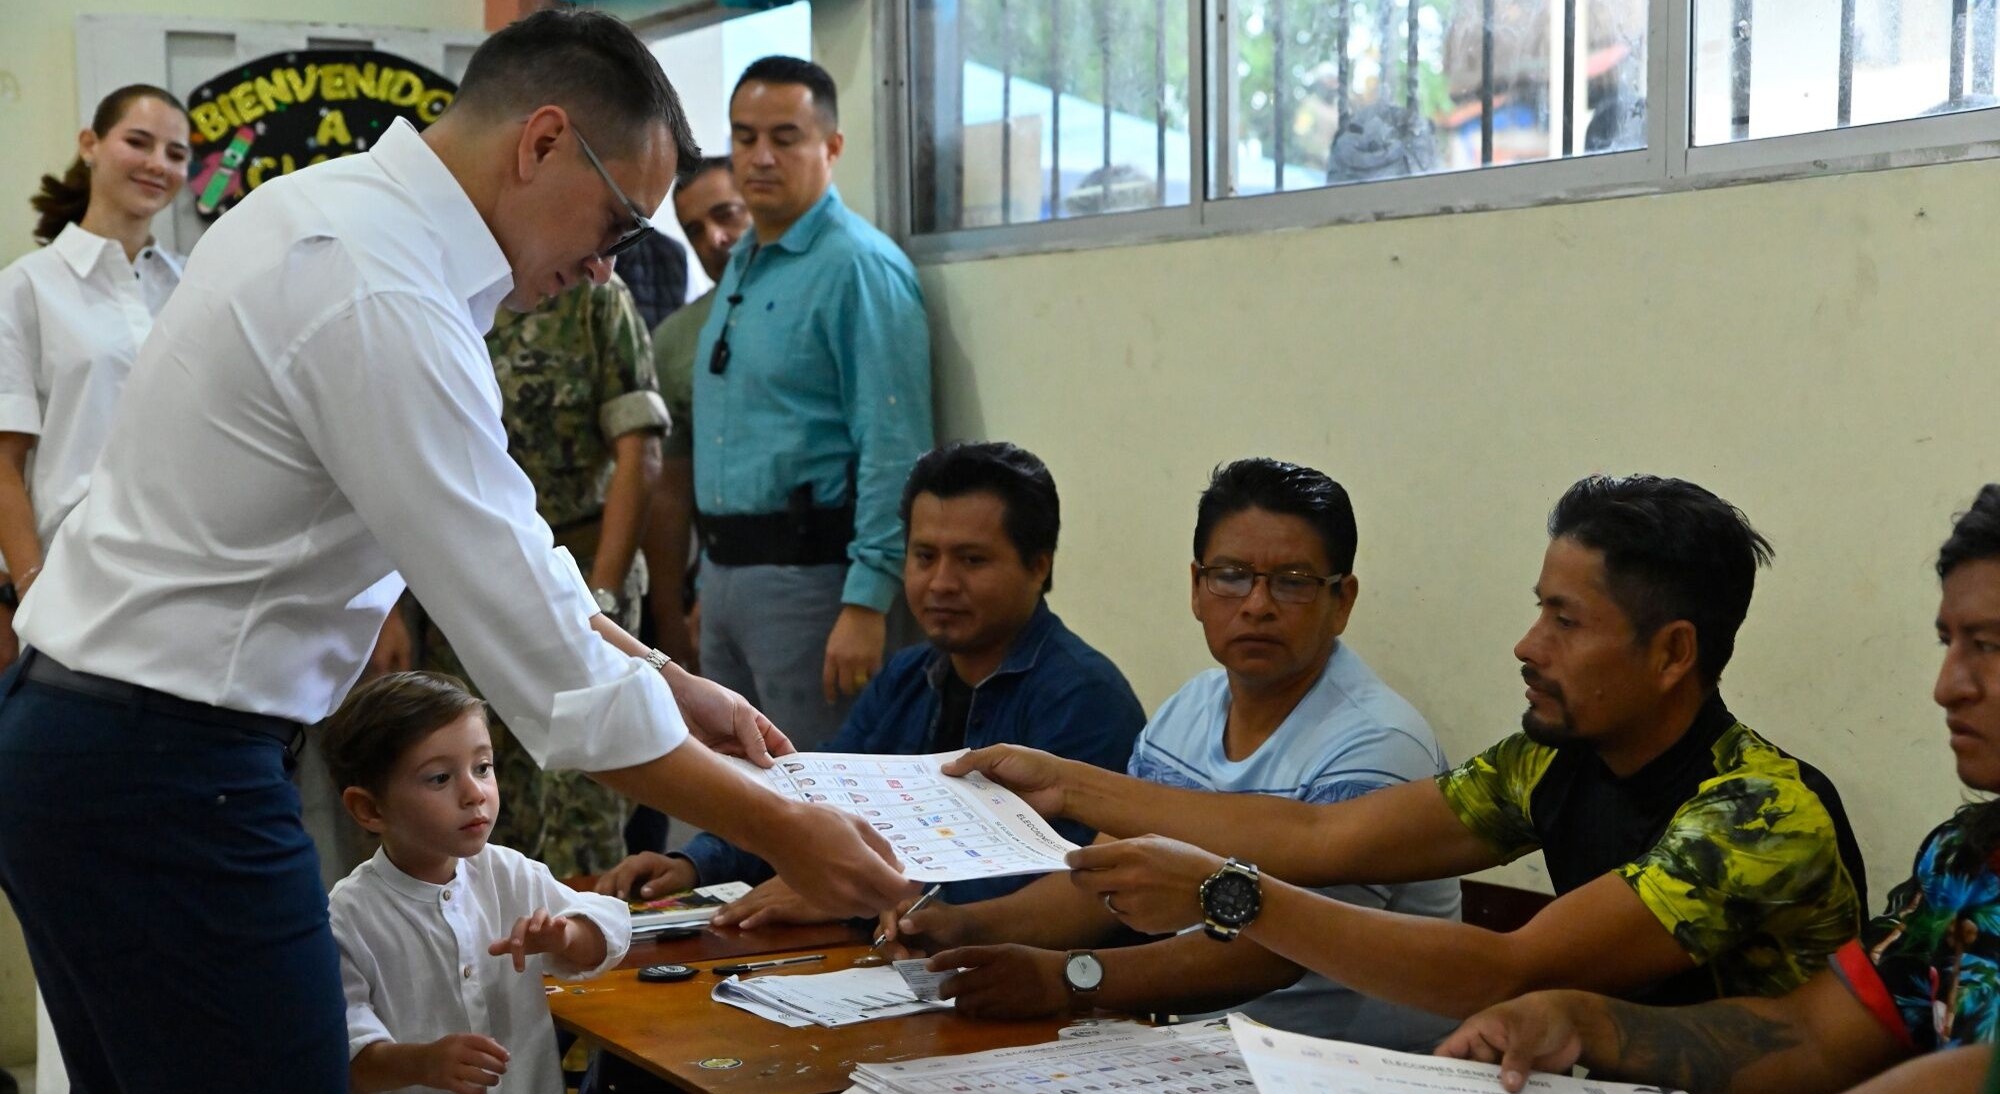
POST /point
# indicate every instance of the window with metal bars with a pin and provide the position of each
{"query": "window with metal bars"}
(1032, 110)
(1768, 68)
(1325, 92)
(1026, 120)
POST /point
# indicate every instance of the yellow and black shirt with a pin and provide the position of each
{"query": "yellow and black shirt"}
(1743, 852)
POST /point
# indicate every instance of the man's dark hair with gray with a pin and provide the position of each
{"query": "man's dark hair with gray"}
(588, 63)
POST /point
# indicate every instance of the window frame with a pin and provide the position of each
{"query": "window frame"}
(1669, 163)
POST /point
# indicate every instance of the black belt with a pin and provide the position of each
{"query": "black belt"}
(799, 537)
(43, 669)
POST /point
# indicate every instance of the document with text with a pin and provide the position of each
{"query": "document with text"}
(1299, 1064)
(943, 828)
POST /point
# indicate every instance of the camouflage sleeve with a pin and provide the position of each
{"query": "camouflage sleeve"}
(1749, 851)
(1489, 793)
(630, 390)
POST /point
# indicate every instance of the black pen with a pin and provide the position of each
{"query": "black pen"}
(753, 966)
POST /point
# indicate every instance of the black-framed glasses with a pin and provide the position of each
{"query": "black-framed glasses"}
(641, 226)
(1288, 586)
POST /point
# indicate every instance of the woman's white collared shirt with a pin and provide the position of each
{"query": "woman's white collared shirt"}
(72, 318)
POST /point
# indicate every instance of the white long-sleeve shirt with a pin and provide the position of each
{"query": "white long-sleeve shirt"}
(314, 420)
(414, 965)
(72, 318)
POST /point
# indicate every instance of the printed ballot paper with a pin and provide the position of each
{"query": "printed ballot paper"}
(830, 999)
(1299, 1064)
(1190, 1059)
(943, 828)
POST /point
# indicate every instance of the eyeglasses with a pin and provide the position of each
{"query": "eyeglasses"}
(1287, 586)
(641, 227)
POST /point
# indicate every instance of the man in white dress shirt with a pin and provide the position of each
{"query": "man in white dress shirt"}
(313, 421)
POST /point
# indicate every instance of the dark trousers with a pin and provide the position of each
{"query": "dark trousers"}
(170, 897)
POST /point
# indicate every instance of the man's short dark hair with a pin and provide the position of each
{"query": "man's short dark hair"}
(588, 63)
(1027, 492)
(1672, 550)
(1975, 533)
(385, 718)
(709, 163)
(1279, 487)
(779, 69)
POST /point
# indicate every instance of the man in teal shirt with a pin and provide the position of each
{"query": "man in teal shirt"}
(812, 399)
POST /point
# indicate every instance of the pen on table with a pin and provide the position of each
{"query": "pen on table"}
(883, 936)
(753, 966)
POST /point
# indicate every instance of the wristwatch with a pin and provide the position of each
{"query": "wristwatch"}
(1082, 974)
(658, 659)
(1230, 900)
(607, 601)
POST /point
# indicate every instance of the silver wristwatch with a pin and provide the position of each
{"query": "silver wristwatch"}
(658, 660)
(607, 601)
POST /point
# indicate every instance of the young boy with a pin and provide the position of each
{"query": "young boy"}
(438, 931)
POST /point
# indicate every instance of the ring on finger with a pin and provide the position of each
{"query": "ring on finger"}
(1110, 907)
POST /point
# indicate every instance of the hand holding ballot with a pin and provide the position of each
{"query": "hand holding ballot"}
(1038, 777)
(941, 829)
(1533, 1033)
(724, 720)
(1151, 883)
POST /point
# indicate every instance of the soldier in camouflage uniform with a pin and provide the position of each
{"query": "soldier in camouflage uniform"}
(584, 419)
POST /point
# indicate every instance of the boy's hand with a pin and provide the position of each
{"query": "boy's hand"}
(464, 1063)
(533, 934)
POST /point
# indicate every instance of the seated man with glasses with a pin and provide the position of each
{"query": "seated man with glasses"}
(1691, 858)
(1293, 711)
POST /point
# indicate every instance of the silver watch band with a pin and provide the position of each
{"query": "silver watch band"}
(658, 660)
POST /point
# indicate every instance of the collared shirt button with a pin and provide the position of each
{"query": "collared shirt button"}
(468, 972)
(447, 894)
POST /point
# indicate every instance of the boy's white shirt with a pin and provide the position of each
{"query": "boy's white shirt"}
(414, 965)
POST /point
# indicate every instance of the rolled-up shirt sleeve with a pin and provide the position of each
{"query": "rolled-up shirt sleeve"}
(611, 916)
(20, 355)
(400, 405)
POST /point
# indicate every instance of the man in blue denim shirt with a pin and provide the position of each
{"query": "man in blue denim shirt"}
(999, 666)
(812, 390)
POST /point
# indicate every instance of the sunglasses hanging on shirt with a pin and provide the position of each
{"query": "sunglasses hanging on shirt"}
(718, 359)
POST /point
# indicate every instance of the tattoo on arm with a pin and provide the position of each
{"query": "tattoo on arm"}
(1701, 1048)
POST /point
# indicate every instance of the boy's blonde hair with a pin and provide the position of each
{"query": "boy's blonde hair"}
(386, 717)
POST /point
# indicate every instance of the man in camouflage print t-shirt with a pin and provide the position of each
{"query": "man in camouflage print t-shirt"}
(584, 419)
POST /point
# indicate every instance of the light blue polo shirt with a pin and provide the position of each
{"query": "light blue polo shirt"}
(828, 383)
(1349, 735)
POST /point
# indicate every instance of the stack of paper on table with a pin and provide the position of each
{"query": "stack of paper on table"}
(1299, 1064)
(1170, 1060)
(943, 828)
(830, 999)
(685, 908)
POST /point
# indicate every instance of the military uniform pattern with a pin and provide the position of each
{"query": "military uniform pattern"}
(574, 375)
(1745, 876)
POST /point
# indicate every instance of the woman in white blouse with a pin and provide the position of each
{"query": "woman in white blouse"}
(72, 316)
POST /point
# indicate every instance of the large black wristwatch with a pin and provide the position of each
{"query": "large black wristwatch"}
(1230, 899)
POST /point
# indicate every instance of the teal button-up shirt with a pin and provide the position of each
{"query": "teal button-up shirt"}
(829, 381)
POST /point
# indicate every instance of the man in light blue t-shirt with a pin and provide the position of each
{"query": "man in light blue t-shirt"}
(1292, 711)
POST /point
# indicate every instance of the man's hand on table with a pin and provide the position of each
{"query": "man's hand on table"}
(652, 873)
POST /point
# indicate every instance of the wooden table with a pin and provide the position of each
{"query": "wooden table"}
(672, 1030)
